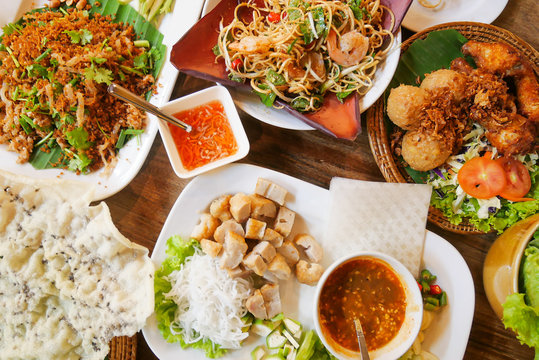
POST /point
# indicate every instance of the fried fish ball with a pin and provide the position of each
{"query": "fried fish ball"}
(403, 105)
(423, 152)
(444, 78)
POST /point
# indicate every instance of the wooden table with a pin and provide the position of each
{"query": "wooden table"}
(140, 210)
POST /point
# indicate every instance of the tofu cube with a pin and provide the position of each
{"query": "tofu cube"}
(211, 247)
(254, 229)
(271, 191)
(284, 221)
(234, 249)
(254, 261)
(266, 250)
(273, 237)
(262, 208)
(240, 207)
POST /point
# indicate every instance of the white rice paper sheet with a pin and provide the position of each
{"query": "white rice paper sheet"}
(376, 216)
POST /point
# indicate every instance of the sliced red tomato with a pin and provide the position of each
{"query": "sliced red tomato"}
(517, 178)
(482, 177)
(274, 17)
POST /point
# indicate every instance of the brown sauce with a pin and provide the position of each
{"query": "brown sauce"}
(366, 288)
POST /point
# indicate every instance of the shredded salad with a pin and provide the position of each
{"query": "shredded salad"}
(494, 213)
(196, 303)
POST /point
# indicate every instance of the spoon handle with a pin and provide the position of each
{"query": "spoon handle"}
(127, 96)
(361, 340)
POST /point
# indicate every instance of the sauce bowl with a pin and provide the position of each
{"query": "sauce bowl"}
(192, 101)
(363, 270)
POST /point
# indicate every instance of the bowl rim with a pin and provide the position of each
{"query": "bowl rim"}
(411, 289)
(198, 98)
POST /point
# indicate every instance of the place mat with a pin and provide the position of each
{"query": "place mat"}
(384, 217)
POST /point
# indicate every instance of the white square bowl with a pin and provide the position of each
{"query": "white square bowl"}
(187, 102)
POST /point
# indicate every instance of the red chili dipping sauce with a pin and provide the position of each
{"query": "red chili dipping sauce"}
(210, 139)
(366, 288)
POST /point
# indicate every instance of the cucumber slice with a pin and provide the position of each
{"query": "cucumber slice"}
(293, 326)
(263, 327)
(275, 339)
(290, 338)
(258, 353)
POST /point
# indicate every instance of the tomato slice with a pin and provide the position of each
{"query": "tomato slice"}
(518, 179)
(274, 17)
(482, 177)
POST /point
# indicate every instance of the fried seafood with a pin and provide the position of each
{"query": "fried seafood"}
(423, 152)
(440, 111)
(444, 78)
(504, 60)
(404, 104)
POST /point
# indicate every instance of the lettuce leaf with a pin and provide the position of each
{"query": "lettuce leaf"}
(521, 310)
(177, 251)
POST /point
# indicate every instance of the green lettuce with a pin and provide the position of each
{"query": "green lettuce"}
(177, 251)
(521, 310)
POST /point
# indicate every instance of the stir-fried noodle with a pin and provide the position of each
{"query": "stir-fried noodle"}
(300, 50)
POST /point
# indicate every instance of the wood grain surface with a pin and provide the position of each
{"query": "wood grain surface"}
(140, 210)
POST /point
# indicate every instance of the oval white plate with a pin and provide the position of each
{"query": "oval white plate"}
(134, 153)
(250, 103)
(419, 17)
(447, 337)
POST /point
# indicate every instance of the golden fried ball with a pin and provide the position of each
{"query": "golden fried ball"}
(423, 152)
(403, 105)
(444, 78)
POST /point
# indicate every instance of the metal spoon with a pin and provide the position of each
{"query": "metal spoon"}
(127, 96)
(361, 340)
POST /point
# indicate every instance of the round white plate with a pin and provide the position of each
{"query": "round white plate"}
(419, 17)
(134, 153)
(447, 337)
(250, 103)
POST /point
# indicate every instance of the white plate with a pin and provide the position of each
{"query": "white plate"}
(448, 335)
(133, 154)
(419, 17)
(251, 104)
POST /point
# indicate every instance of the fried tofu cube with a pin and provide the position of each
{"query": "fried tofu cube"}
(234, 249)
(279, 268)
(220, 208)
(205, 228)
(273, 237)
(284, 221)
(272, 299)
(240, 207)
(254, 229)
(271, 191)
(262, 208)
(310, 247)
(289, 251)
(266, 250)
(255, 305)
(308, 273)
(211, 247)
(255, 262)
(239, 271)
(228, 225)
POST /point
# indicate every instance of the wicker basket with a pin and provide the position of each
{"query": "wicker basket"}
(123, 348)
(378, 131)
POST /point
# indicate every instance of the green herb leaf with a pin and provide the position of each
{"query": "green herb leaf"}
(45, 156)
(79, 162)
(78, 138)
(275, 78)
(267, 99)
(99, 75)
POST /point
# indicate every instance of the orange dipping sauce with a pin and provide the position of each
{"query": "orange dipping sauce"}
(366, 288)
(210, 139)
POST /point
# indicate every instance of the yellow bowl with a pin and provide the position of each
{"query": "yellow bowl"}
(502, 264)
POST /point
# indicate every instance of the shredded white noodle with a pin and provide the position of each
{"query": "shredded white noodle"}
(210, 303)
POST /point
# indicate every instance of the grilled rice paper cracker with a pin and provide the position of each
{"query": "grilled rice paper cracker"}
(376, 216)
(69, 281)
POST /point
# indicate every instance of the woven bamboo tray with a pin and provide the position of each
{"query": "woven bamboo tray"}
(377, 128)
(123, 348)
